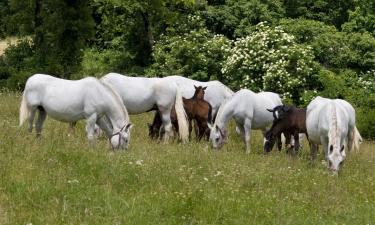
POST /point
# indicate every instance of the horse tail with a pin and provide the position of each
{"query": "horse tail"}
(183, 127)
(24, 110)
(209, 119)
(357, 138)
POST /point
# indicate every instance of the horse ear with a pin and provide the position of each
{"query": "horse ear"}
(270, 110)
(204, 88)
(128, 127)
(195, 87)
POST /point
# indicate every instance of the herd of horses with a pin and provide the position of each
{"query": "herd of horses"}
(182, 104)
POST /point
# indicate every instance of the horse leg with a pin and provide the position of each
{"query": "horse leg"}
(31, 119)
(296, 142)
(247, 129)
(39, 123)
(288, 141)
(314, 151)
(166, 118)
(90, 128)
(279, 143)
(104, 125)
(351, 137)
(72, 128)
(324, 141)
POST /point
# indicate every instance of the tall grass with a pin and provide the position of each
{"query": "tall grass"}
(59, 179)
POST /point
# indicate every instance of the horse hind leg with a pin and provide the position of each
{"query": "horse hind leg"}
(167, 124)
(31, 119)
(39, 123)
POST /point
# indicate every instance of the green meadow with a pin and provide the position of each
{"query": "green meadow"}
(59, 179)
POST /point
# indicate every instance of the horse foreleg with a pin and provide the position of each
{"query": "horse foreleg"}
(39, 123)
(105, 126)
(279, 143)
(296, 142)
(314, 151)
(90, 128)
(247, 130)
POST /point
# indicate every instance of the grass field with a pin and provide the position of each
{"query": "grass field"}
(58, 179)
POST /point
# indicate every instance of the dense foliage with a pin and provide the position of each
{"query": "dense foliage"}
(299, 49)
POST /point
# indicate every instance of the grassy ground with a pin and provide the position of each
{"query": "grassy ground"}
(58, 179)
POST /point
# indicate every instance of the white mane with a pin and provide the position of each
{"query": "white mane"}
(333, 132)
(117, 99)
(220, 111)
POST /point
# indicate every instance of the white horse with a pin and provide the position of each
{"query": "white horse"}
(249, 110)
(141, 94)
(70, 101)
(215, 93)
(331, 123)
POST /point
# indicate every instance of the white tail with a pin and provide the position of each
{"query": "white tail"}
(24, 110)
(357, 139)
(183, 127)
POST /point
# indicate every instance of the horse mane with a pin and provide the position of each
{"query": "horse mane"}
(117, 98)
(220, 111)
(333, 131)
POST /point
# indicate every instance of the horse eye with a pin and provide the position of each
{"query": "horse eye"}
(217, 139)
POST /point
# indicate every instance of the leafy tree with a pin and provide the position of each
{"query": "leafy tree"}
(133, 26)
(236, 18)
(332, 12)
(270, 59)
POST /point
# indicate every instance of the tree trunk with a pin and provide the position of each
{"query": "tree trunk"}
(148, 28)
(38, 23)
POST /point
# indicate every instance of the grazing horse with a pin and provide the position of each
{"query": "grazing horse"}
(249, 110)
(141, 94)
(70, 101)
(331, 123)
(216, 92)
(196, 108)
(288, 120)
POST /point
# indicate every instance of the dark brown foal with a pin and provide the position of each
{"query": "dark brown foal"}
(290, 121)
(197, 109)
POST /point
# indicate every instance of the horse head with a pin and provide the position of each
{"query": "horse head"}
(280, 111)
(120, 139)
(269, 141)
(336, 157)
(199, 92)
(217, 136)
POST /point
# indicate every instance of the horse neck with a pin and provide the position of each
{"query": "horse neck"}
(224, 115)
(116, 111)
(116, 116)
(333, 129)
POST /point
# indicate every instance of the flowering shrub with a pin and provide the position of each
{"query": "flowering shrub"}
(192, 52)
(270, 59)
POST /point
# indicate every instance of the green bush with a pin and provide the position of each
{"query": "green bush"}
(97, 63)
(197, 53)
(17, 64)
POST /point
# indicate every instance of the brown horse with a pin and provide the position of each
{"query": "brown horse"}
(196, 109)
(288, 120)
